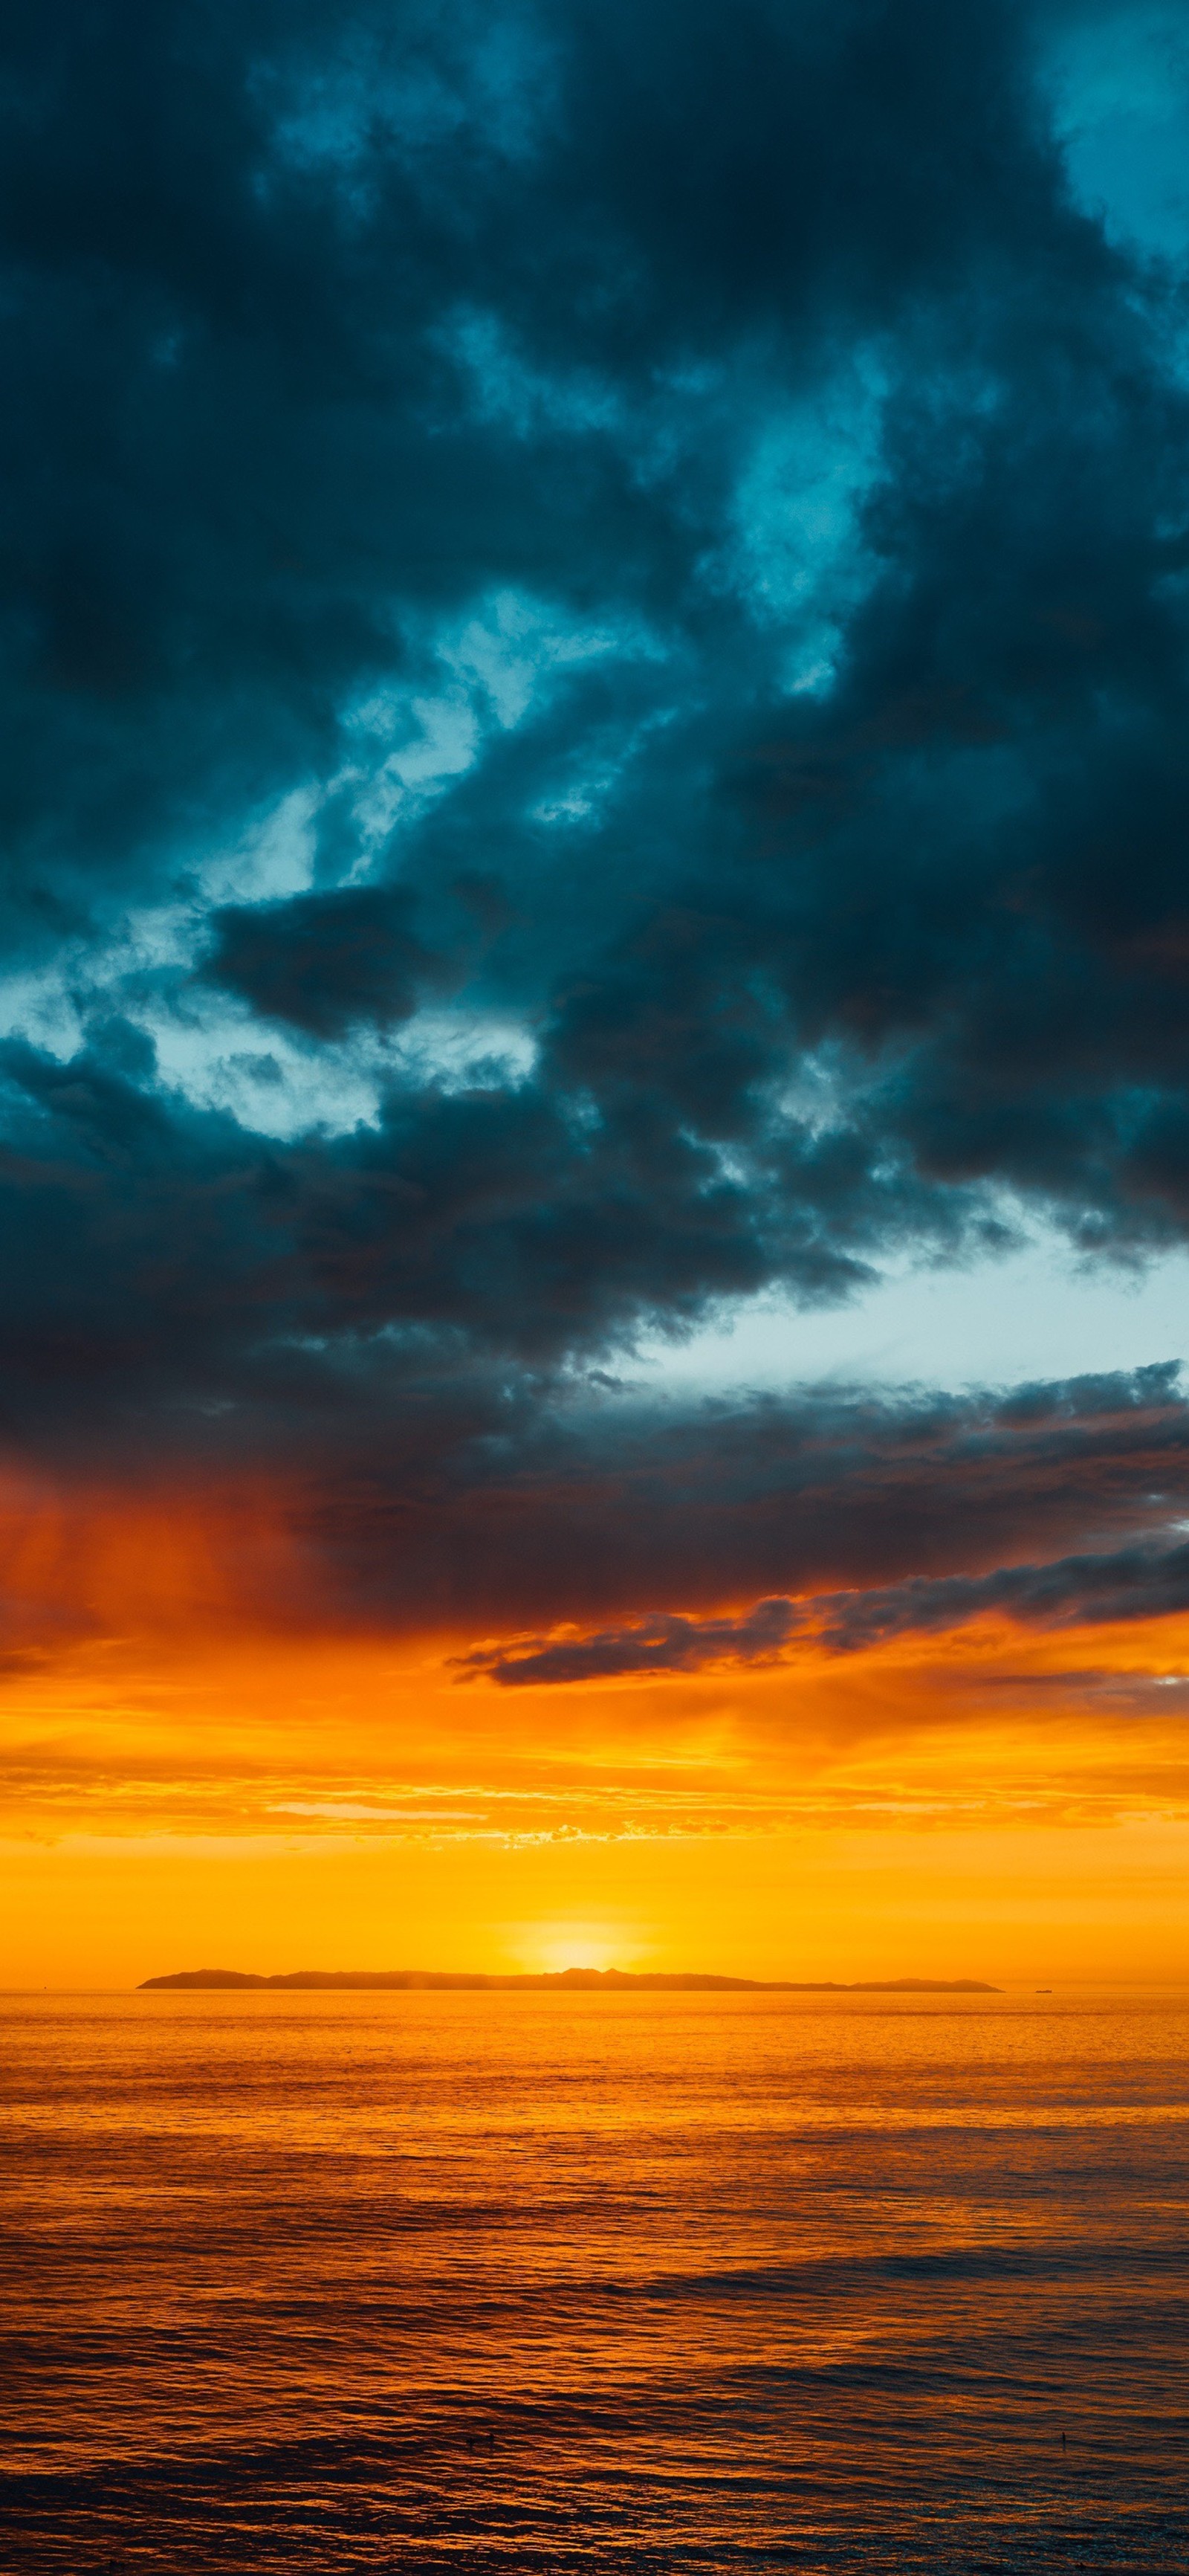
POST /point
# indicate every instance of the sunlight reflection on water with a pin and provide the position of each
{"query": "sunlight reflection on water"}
(683, 2282)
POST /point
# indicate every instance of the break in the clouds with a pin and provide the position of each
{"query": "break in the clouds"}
(595, 621)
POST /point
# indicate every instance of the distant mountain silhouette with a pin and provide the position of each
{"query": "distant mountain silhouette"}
(568, 1980)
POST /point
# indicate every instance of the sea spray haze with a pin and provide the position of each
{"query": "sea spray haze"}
(606, 2281)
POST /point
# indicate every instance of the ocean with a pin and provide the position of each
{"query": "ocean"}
(612, 2282)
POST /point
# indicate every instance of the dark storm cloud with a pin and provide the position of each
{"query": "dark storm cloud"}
(667, 1643)
(1134, 1583)
(324, 961)
(594, 639)
(533, 1510)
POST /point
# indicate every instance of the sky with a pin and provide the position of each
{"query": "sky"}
(594, 990)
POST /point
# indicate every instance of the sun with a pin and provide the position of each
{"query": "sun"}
(548, 1948)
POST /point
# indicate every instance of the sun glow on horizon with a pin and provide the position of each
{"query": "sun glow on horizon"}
(187, 1783)
(548, 1949)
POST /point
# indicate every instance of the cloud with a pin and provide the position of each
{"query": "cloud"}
(661, 539)
(322, 962)
(667, 1643)
(460, 1510)
(1132, 1583)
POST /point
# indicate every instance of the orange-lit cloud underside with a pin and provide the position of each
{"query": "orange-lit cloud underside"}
(199, 1757)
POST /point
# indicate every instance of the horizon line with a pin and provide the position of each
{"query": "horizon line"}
(573, 1980)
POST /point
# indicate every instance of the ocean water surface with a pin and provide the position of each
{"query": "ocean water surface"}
(550, 2282)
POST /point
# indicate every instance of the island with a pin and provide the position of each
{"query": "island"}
(563, 1980)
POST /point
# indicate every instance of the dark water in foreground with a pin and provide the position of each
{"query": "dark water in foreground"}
(644, 2282)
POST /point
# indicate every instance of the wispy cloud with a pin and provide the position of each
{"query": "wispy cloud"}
(1133, 1583)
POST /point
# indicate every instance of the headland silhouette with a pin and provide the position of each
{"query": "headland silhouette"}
(563, 1980)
